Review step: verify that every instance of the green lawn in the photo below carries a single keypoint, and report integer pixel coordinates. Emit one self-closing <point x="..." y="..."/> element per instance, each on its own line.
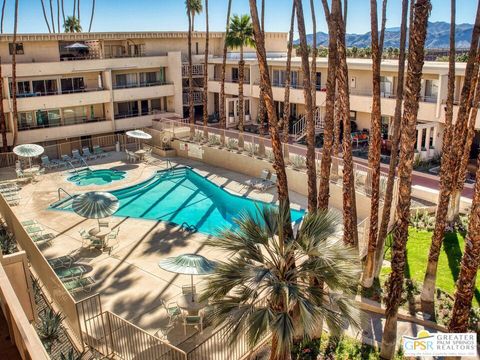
<point x="418" y="246"/>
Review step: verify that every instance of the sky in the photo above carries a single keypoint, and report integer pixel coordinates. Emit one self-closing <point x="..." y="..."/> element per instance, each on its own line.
<point x="169" y="15"/>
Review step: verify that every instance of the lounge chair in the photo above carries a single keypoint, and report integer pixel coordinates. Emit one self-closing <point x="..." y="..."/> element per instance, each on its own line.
<point x="255" y="181"/>
<point x="20" y="174"/>
<point x="88" y="154"/>
<point x="267" y="184"/>
<point x="67" y="159"/>
<point x="97" y="150"/>
<point x="33" y="229"/>
<point x="42" y="238"/>
<point x="47" y="164"/>
<point x="192" y="320"/>
<point x="63" y="261"/>
<point x="13" y="201"/>
<point x="76" y="155"/>
<point x="71" y="272"/>
<point x="79" y="284"/>
<point x="29" y="222"/>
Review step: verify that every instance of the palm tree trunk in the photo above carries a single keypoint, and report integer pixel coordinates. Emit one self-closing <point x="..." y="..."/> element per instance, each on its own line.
<point x="465" y="286"/>
<point x="191" y="108"/>
<point x="350" y="234"/>
<point x="3" y="16"/>
<point x="78" y="11"/>
<point x="241" y="115"/>
<point x="279" y="163"/>
<point x="58" y="16"/>
<point x="3" y="122"/>
<point x="375" y="144"/>
<point x="313" y="79"/>
<point x="418" y="31"/>
<point x="448" y="172"/>
<point x="261" y="99"/>
<point x="91" y="17"/>
<point x="288" y="70"/>
<point x="223" y="117"/>
<point x="63" y="12"/>
<point x="14" y="76"/>
<point x="205" y="75"/>
<point x="307" y="93"/>
<point x="52" y="16"/>
<point x="45" y="16"/>
<point x="74" y="8"/>
<point x="387" y="203"/>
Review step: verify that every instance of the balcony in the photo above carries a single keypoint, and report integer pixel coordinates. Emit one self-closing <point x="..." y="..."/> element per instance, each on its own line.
<point x="64" y="122"/>
<point x="143" y="91"/>
<point x="197" y="70"/>
<point x="197" y="98"/>
<point x="133" y="120"/>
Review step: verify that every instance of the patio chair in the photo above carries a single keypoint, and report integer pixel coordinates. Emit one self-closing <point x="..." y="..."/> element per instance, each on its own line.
<point x="47" y="164"/>
<point x="20" y="174"/>
<point x="40" y="239"/>
<point x="188" y="289"/>
<point x="71" y="272"/>
<point x="103" y="223"/>
<point x="86" y="237"/>
<point x="67" y="159"/>
<point x="76" y="155"/>
<point x="97" y="150"/>
<point x="13" y="201"/>
<point x="267" y="184"/>
<point x="88" y="154"/>
<point x="61" y="262"/>
<point x="192" y="320"/>
<point x="255" y="181"/>
<point x="79" y="284"/>
<point x="173" y="311"/>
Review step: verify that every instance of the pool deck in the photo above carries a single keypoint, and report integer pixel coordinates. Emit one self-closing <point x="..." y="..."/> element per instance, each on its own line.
<point x="129" y="279"/>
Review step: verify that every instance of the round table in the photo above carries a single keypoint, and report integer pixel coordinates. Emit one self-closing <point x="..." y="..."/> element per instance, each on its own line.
<point x="31" y="172"/>
<point x="193" y="306"/>
<point x="140" y="153"/>
<point x="100" y="233"/>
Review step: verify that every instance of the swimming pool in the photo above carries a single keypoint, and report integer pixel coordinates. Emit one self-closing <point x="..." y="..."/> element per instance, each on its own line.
<point x="183" y="197"/>
<point x="96" y="177"/>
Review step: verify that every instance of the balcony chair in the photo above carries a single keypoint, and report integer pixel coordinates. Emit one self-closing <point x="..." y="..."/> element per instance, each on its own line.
<point x="65" y="261"/>
<point x="72" y="272"/>
<point x="97" y="150"/>
<point x="47" y="164"/>
<point x="267" y="184"/>
<point x="173" y="311"/>
<point x="256" y="181"/>
<point x="76" y="155"/>
<point x="86" y="153"/>
<point x="192" y="320"/>
<point x="79" y="284"/>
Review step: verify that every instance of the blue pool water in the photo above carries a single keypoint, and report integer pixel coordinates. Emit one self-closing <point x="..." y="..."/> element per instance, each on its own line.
<point x="96" y="177"/>
<point x="183" y="197"/>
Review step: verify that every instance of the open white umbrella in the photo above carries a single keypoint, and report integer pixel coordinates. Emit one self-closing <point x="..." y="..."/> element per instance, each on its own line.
<point x="95" y="205"/>
<point x="77" y="46"/>
<point x="138" y="134"/>
<point x="188" y="264"/>
<point x="28" y="151"/>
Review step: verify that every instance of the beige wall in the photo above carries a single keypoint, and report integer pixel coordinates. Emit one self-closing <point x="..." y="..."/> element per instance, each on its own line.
<point x="34" y="52"/>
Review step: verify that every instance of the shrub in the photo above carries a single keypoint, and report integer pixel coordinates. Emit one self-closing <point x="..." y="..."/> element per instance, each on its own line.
<point x="232" y="144"/>
<point x="49" y="328"/>
<point x="298" y="161"/>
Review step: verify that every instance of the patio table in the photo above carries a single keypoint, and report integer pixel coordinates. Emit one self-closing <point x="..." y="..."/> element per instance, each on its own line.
<point x="141" y="154"/>
<point x="101" y="234"/>
<point x="192" y="306"/>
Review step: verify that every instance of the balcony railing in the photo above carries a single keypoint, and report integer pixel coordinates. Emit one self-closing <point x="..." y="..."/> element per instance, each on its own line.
<point x="137" y="114"/>
<point x="56" y="92"/>
<point x="197" y="70"/>
<point x="246" y="81"/>
<point x="142" y="84"/>
<point x="65" y="122"/>
<point x="197" y="98"/>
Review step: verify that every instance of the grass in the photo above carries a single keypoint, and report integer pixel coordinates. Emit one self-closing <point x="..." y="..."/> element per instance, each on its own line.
<point x="418" y="246"/>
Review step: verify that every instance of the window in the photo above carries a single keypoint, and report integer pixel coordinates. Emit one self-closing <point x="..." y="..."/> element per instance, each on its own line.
<point x="156" y="104"/>
<point x="19" y="48"/>
<point x="70" y="85"/>
<point x="74" y="115"/>
<point x="234" y="74"/>
<point x="293" y="110"/>
<point x="25" y="120"/>
<point x="126" y="80"/>
<point x="386" y="85"/>
<point x="128" y="108"/>
<point x="431" y="90"/>
<point x="353" y="115"/>
<point x="318" y="81"/>
<point x="150" y="78"/>
<point x="47" y="118"/>
<point x="44" y="87"/>
<point x="196" y="48"/>
<point x="23" y="88"/>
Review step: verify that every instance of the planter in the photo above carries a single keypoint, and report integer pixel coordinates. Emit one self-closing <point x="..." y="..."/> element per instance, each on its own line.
<point x="424" y="154"/>
<point x="247" y="118"/>
<point x="431" y="152"/>
<point x="231" y="120"/>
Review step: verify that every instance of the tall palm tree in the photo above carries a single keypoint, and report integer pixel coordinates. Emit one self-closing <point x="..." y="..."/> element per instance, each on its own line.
<point x="349" y="206"/>
<point x="279" y="162"/>
<point x="387" y="202"/>
<point x="191" y="108"/>
<point x="418" y="31"/>
<point x="72" y="25"/>
<point x="326" y="163"/>
<point x="375" y="145"/>
<point x="205" y="74"/>
<point x="313" y="80"/>
<point x="239" y="35"/>
<point x="58" y="16"/>
<point x="78" y="11"/>
<point x="309" y="110"/>
<point x="63" y="11"/>
<point x="223" y="117"/>
<point x="3" y="16"/>
<point x="45" y="16"/>
<point x="196" y="8"/>
<point x="91" y="17"/>
<point x="52" y="16"/>
<point x="449" y="171"/>
<point x="465" y="286"/>
<point x="3" y="121"/>
<point x="14" y="75"/>
<point x="288" y="69"/>
<point x="254" y="292"/>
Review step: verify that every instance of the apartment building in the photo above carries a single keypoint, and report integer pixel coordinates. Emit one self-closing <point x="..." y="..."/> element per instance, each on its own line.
<point x="75" y="86"/>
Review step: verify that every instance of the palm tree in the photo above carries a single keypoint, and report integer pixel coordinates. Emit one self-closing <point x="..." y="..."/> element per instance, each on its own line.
<point x="254" y="292"/>
<point x="3" y="16"/>
<point x="279" y="162"/>
<point x="196" y="8"/>
<point x="313" y="80"/>
<point x="91" y="17"/>
<point x="52" y="15"/>
<point x="449" y="170"/>
<point x="223" y="118"/>
<point x="72" y="25"/>
<point x="286" y="99"/>
<point x="387" y="202"/>
<point x="191" y="108"/>
<point x="58" y="16"/>
<point x="45" y="16"/>
<point x="205" y="75"/>
<point x="375" y="145"/>
<point x="326" y="163"/>
<point x="418" y="31"/>
<point x="63" y="12"/>
<point x="309" y="111"/>
<point x="349" y="206"/>
<point x="239" y="35"/>
<point x="78" y="11"/>
<point x="3" y="121"/>
<point x="469" y="267"/>
<point x="14" y="75"/>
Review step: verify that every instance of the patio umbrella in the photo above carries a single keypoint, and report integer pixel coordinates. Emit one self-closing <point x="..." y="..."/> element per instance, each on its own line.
<point x="188" y="264"/>
<point x="28" y="151"/>
<point x="95" y="205"/>
<point x="77" y="46"/>
<point x="138" y="134"/>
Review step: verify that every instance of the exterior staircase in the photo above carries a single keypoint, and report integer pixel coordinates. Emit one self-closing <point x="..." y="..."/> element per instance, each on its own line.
<point x="300" y="127"/>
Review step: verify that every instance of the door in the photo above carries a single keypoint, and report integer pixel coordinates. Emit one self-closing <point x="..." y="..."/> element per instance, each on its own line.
<point x="144" y="107"/>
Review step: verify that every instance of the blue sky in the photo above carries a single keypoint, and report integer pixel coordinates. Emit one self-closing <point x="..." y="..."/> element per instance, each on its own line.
<point x="164" y="15"/>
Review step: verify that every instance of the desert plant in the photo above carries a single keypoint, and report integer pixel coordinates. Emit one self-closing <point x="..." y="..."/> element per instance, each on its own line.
<point x="198" y="137"/>
<point x="214" y="140"/>
<point x="232" y="144"/>
<point x="7" y="243"/>
<point x="49" y="328"/>
<point x="251" y="149"/>
<point x="269" y="155"/>
<point x="422" y="220"/>
<point x="298" y="161"/>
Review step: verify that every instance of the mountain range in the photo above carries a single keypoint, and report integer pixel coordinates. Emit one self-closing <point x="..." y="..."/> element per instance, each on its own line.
<point x="438" y="34"/>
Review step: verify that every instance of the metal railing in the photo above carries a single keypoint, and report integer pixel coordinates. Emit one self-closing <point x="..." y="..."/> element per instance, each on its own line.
<point x="141" y="84"/>
<point x="197" y="98"/>
<point x="197" y="70"/>
<point x="74" y="121"/>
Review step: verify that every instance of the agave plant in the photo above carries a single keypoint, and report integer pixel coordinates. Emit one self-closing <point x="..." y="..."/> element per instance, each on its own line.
<point x="49" y="328"/>
<point x="214" y="140"/>
<point x="298" y="161"/>
<point x="7" y="243"/>
<point x="232" y="144"/>
<point x="268" y="284"/>
<point x="251" y="149"/>
<point x="269" y="155"/>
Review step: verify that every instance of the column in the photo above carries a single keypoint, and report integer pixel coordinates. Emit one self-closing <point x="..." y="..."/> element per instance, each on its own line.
<point x="435" y="135"/>
<point x="427" y="138"/>
<point x="419" y="139"/>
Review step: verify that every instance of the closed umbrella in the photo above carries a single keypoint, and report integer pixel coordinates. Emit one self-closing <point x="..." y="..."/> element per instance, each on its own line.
<point x="95" y="205"/>
<point x="188" y="264"/>
<point x="28" y="151"/>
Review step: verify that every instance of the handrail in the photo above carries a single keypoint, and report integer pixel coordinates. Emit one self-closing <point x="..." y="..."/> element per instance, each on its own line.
<point x="83" y="161"/>
<point x="62" y="189"/>
<point x="73" y="167"/>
